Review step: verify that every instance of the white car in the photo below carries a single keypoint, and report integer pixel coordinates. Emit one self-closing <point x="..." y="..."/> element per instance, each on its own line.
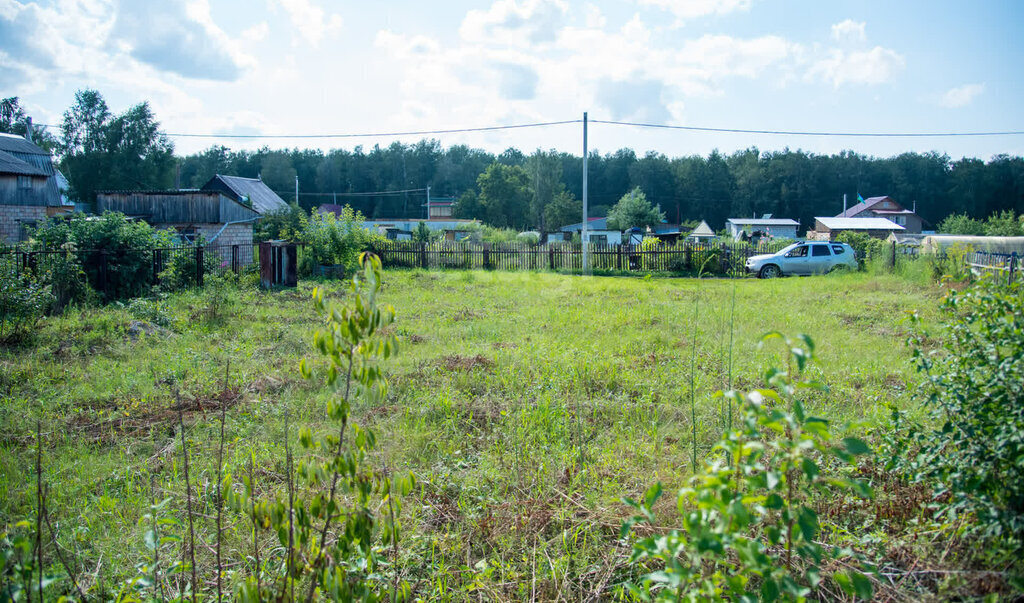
<point x="807" y="257"/>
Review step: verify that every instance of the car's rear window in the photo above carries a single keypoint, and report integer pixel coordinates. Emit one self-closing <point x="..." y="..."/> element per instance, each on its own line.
<point x="819" y="250"/>
<point x="837" y="249"/>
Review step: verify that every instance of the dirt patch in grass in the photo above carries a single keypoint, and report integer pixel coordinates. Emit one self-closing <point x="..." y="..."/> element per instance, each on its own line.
<point x="464" y="314"/>
<point x="141" y="423"/>
<point x="465" y="363"/>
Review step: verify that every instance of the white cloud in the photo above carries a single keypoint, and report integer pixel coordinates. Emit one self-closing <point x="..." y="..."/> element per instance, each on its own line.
<point x="515" y="23"/>
<point x="595" y="18"/>
<point x="849" y="30"/>
<point x="311" y="20"/>
<point x="691" y="9"/>
<point x="719" y="55"/>
<point x="961" y="96"/>
<point x="256" y="33"/>
<point x="869" y="67"/>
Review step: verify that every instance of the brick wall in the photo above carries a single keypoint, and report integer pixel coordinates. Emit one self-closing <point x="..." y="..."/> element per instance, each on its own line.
<point x="13" y="216"/>
<point x="233" y="234"/>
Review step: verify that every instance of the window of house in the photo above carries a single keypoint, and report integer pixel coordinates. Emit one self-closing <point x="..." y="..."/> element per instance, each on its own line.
<point x="24" y="181"/>
<point x="819" y="250"/>
<point x="599" y="239"/>
<point x="901" y="220"/>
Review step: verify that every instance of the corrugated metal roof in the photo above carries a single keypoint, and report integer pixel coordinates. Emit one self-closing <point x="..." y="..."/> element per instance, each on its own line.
<point x="9" y="164"/>
<point x="32" y="154"/>
<point x="259" y="195"/>
<point x="764" y="221"/>
<point x="859" y="224"/>
<point x="18" y="144"/>
<point x="863" y="205"/>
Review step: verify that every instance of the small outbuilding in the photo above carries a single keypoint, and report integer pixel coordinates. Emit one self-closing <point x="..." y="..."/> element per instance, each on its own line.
<point x="207" y="215"/>
<point x="779" y="228"/>
<point x="703" y="232"/>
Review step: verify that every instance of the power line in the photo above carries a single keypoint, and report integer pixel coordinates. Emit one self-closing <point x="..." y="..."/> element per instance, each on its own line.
<point x="809" y="133"/>
<point x="596" y="121"/>
<point x="365" y="194"/>
<point x="369" y="134"/>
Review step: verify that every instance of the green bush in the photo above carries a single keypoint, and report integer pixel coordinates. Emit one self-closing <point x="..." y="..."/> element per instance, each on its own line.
<point x="284" y="225"/>
<point x="867" y="249"/>
<point x="23" y="301"/>
<point x="333" y="240"/>
<point x="151" y="310"/>
<point x="972" y="451"/>
<point x="112" y="240"/>
<point x="749" y="526"/>
<point x="64" y="274"/>
<point x="180" y="269"/>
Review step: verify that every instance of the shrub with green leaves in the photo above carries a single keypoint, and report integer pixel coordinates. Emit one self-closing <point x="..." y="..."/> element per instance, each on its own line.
<point x="333" y="240"/>
<point x="337" y="491"/>
<point x="973" y="449"/>
<point x="865" y="247"/>
<point x="749" y="526"/>
<point x="23" y="301"/>
<point x="115" y="251"/>
<point x="180" y="269"/>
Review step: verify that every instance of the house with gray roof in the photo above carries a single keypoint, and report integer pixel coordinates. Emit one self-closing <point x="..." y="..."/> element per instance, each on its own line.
<point x="827" y="229"/>
<point x="886" y="207"/>
<point x="29" y="190"/>
<point x="247" y="191"/>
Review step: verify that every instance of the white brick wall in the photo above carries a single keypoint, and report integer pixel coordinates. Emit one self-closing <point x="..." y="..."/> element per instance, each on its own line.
<point x="13" y="216"/>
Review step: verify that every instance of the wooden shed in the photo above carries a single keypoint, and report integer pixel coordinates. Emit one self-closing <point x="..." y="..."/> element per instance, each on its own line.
<point x="193" y="214"/>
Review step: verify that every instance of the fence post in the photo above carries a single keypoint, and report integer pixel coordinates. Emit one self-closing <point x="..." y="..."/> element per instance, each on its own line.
<point x="103" y="274"/>
<point x="893" y="265"/>
<point x="234" y="259"/>
<point x="199" y="265"/>
<point x="487" y="256"/>
<point x="423" y="255"/>
<point x="156" y="266"/>
<point x="688" y="256"/>
<point x="1013" y="266"/>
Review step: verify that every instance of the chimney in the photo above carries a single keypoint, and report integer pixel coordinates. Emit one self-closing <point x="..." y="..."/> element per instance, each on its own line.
<point x="28" y="129"/>
<point x="844" y="204"/>
<point x="915" y="206"/>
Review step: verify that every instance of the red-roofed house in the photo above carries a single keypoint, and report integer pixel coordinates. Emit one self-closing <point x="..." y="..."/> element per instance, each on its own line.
<point x="885" y="207"/>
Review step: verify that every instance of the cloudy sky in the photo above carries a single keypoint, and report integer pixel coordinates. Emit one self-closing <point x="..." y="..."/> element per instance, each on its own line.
<point x="330" y="67"/>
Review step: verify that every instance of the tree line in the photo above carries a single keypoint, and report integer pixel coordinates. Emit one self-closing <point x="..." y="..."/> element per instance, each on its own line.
<point x="540" y="190"/>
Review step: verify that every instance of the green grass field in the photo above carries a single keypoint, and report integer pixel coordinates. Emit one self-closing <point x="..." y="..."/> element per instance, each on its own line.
<point x="526" y="404"/>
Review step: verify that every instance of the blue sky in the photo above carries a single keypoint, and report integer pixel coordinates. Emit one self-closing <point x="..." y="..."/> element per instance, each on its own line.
<point x="321" y="66"/>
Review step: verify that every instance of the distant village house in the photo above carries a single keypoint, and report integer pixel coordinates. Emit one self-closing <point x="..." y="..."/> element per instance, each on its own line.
<point x="29" y="188"/>
<point x="827" y="229"/>
<point x="885" y="207"/>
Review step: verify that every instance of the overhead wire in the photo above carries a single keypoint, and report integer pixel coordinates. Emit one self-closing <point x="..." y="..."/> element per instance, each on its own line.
<point x="360" y="194"/>
<point x="808" y="133"/>
<point x="596" y="121"/>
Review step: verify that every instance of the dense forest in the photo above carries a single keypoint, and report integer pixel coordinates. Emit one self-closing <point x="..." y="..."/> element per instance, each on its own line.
<point x="542" y="189"/>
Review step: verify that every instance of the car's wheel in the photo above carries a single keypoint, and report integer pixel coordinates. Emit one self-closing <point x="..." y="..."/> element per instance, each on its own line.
<point x="770" y="271"/>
